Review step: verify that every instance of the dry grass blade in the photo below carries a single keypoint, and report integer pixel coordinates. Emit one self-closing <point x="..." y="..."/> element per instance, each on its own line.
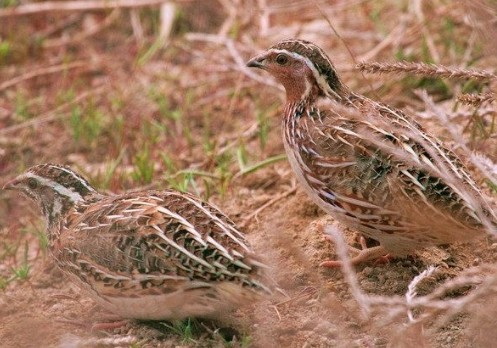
<point x="167" y="14"/>
<point x="412" y="288"/>
<point x="235" y="55"/>
<point x="54" y="6"/>
<point x="306" y="292"/>
<point x="113" y="341"/>
<point x="431" y="306"/>
<point x="111" y="18"/>
<point x="362" y="299"/>
<point x="269" y="203"/>
<point x="424" y="69"/>
<point x="43" y="71"/>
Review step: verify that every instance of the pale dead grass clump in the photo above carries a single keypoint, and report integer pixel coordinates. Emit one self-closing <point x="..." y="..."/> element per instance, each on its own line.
<point x="140" y="94"/>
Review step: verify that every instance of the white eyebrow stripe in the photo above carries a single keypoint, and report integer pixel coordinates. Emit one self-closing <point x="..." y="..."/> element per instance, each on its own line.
<point x="61" y="190"/>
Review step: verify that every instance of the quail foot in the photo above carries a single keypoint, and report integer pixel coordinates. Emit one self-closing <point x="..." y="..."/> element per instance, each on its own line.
<point x="150" y="255"/>
<point x="370" y="166"/>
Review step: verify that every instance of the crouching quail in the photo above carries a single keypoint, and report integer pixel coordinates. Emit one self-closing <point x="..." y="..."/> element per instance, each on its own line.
<point x="147" y="255"/>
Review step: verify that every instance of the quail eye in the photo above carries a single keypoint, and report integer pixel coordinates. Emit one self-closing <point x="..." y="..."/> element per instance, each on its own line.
<point x="281" y="59"/>
<point x="32" y="183"/>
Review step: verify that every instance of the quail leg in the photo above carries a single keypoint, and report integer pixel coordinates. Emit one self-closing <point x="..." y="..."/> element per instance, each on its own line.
<point x="378" y="254"/>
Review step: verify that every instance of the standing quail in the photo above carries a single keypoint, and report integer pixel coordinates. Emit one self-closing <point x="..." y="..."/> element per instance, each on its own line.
<point x="369" y="165"/>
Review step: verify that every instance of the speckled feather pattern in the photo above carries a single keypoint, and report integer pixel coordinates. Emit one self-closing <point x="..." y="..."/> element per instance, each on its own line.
<point x="160" y="234"/>
<point x="377" y="191"/>
<point x="147" y="254"/>
<point x="367" y="164"/>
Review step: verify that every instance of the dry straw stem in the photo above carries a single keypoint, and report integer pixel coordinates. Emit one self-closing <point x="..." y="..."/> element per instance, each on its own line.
<point x="269" y="203"/>
<point x="53" y="6"/>
<point x="412" y="288"/>
<point x="78" y="37"/>
<point x="417" y="9"/>
<point x="335" y="234"/>
<point x="44" y="71"/>
<point x="167" y="16"/>
<point x="425" y="70"/>
<point x="436" y="304"/>
<point x="113" y="341"/>
<point x="239" y="61"/>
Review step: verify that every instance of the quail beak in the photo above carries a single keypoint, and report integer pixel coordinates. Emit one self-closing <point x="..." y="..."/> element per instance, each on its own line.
<point x="257" y="62"/>
<point x="10" y="185"/>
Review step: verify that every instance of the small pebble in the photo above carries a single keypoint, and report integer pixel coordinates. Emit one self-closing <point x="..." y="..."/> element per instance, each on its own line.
<point x="391" y="275"/>
<point x="367" y="271"/>
<point x="311" y="302"/>
<point x="380" y="342"/>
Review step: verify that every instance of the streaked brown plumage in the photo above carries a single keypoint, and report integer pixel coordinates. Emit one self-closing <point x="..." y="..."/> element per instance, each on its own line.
<point x="369" y="165"/>
<point x="145" y="255"/>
